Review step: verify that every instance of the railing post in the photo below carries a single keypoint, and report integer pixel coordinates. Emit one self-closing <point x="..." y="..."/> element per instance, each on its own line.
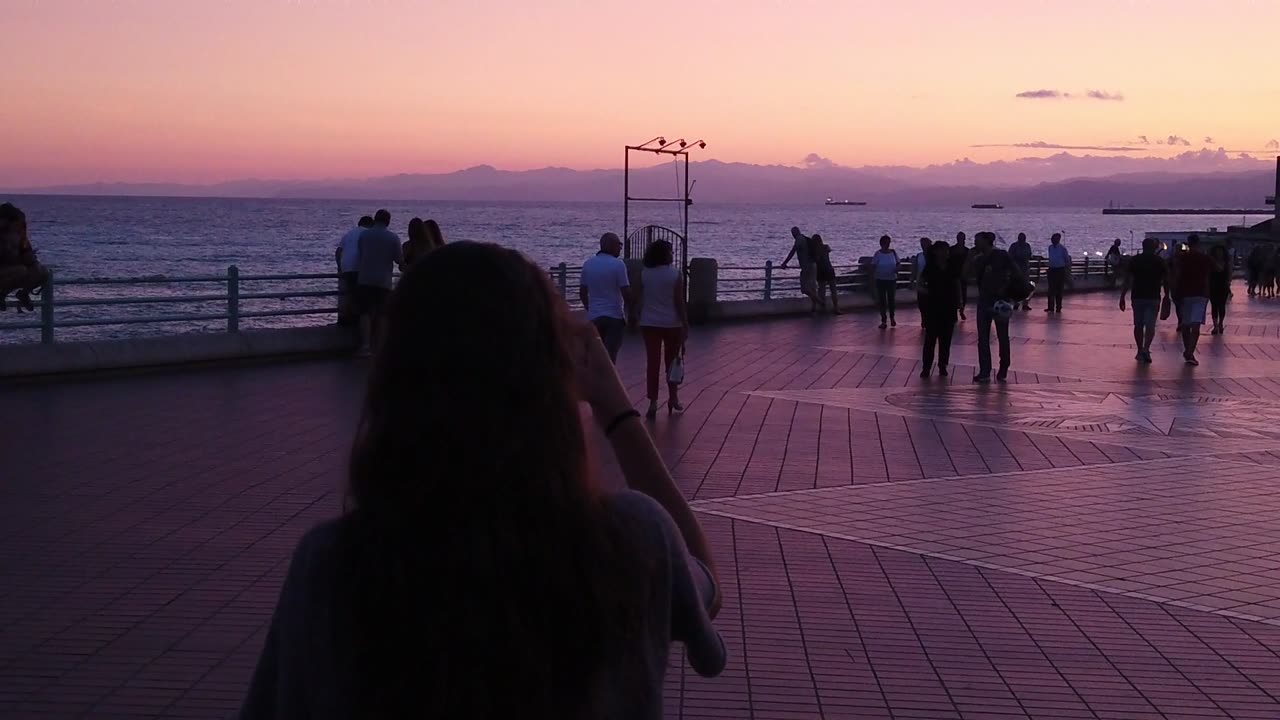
<point x="46" y="310"/>
<point x="1086" y="265"/>
<point x="768" y="279"/>
<point x="562" y="279"/>
<point x="233" y="299"/>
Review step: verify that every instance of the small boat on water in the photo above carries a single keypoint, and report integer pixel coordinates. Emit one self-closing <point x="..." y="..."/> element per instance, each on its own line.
<point x="858" y="203"/>
<point x="987" y="206"/>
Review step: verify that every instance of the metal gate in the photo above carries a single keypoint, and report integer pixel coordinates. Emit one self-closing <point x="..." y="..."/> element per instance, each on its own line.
<point x="640" y="240"/>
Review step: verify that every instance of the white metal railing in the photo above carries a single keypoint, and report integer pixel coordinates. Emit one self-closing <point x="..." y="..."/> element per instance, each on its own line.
<point x="237" y="297"/>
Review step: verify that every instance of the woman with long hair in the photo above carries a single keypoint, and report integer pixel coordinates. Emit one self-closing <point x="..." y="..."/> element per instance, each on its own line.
<point x="940" y="289"/>
<point x="479" y="571"/>
<point x="1219" y="286"/>
<point x="664" y="322"/>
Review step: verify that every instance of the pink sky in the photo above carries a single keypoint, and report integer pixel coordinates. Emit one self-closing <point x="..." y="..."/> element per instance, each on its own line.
<point x="207" y="90"/>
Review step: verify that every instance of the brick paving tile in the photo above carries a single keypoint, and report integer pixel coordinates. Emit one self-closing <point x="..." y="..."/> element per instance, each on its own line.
<point x="1095" y="539"/>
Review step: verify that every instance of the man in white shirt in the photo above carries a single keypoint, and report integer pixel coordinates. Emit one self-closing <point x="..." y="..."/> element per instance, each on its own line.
<point x="605" y="292"/>
<point x="917" y="268"/>
<point x="1059" y="261"/>
<point x="347" y="256"/>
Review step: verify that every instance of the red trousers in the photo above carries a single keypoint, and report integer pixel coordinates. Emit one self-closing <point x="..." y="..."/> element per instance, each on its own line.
<point x="656" y="340"/>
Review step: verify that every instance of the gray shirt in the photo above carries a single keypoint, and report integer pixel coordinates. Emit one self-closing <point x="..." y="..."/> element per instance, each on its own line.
<point x="297" y="674"/>
<point x="379" y="250"/>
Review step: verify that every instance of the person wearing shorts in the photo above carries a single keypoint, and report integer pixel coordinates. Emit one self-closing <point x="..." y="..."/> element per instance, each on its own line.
<point x="379" y="254"/>
<point x="802" y="248"/>
<point x="1191" y="287"/>
<point x="1146" y="275"/>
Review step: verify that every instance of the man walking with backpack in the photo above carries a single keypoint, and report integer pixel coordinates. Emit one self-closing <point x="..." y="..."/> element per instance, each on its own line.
<point x="1000" y="285"/>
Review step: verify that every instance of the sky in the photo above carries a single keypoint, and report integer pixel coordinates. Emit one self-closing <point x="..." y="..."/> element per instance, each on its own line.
<point x="210" y="90"/>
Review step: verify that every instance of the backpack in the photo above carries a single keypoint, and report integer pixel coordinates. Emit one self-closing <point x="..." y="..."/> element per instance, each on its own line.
<point x="1002" y="279"/>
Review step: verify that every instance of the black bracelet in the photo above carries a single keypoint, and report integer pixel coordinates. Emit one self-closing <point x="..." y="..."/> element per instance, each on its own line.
<point x="620" y="418"/>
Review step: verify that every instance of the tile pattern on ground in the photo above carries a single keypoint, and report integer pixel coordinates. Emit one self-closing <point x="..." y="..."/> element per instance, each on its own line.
<point x="1202" y="533"/>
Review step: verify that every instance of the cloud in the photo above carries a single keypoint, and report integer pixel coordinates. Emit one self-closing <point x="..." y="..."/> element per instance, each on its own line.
<point x="1174" y="140"/>
<point x="1143" y="139"/>
<point x="1104" y="95"/>
<point x="1273" y="145"/>
<point x="1208" y="140"/>
<point x="816" y="161"/>
<point x="1042" y="145"/>
<point x="1040" y="95"/>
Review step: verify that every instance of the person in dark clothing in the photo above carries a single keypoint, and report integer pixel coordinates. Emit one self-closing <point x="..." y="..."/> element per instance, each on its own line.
<point x="1190" y="282"/>
<point x="1059" y="262"/>
<point x="1146" y="275"/>
<point x="1219" y="287"/>
<point x="479" y="569"/>
<point x="959" y="259"/>
<point x="995" y="274"/>
<point x="939" y="290"/>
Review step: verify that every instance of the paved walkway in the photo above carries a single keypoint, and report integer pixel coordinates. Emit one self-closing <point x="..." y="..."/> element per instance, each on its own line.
<point x="1095" y="539"/>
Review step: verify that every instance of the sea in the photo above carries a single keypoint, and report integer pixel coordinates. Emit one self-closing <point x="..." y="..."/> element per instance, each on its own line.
<point x="114" y="237"/>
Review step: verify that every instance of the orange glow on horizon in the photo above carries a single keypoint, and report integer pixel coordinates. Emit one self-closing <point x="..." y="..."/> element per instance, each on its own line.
<point x="157" y="90"/>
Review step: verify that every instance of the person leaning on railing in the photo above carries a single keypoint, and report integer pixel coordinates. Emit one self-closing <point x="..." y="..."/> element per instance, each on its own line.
<point x="20" y="272"/>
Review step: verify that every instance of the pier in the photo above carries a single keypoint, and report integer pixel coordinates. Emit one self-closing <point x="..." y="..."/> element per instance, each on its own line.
<point x="1094" y="539"/>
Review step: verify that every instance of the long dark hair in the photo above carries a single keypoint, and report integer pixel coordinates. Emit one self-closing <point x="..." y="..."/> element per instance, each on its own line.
<point x="658" y="253"/>
<point x="434" y="235"/>
<point x="483" y="575"/>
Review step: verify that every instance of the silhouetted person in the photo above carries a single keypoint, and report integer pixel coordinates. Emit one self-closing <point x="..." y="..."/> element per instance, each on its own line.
<point x="1059" y="262"/>
<point x="347" y="256"/>
<point x="664" y="322"/>
<point x="1111" y="262"/>
<point x="605" y="292"/>
<point x="379" y="254"/>
<point x="917" y="271"/>
<point x="1219" y="287"/>
<point x="996" y="276"/>
<point x="20" y="271"/>
<point x="1020" y="253"/>
<point x="424" y="237"/>
<point x="801" y="250"/>
<point x="960" y="266"/>
<point x="479" y="569"/>
<point x="1147" y="275"/>
<point x="826" y="272"/>
<point x="1191" y="290"/>
<point x="884" y="271"/>
<point x="940" y="297"/>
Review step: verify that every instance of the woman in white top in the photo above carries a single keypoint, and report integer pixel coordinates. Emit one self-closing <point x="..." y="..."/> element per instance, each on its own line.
<point x="664" y="321"/>
<point x="884" y="268"/>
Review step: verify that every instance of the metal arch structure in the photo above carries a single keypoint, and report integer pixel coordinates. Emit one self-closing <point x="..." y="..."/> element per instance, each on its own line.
<point x="678" y="149"/>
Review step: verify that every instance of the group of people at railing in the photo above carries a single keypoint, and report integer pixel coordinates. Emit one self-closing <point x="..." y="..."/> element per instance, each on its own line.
<point x="20" y="270"/>
<point x="368" y="256"/>
<point x="1262" y="270"/>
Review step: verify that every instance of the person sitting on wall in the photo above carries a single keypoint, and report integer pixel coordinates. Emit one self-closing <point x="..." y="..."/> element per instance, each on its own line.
<point x="20" y="272"/>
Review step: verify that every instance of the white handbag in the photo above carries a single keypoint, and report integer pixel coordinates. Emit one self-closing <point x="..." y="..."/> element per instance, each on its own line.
<point x="675" y="373"/>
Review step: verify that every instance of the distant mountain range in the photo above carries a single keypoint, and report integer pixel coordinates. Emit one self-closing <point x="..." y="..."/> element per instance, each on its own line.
<point x="720" y="182"/>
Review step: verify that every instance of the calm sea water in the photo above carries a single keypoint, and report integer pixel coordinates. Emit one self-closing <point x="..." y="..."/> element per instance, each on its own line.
<point x="118" y="237"/>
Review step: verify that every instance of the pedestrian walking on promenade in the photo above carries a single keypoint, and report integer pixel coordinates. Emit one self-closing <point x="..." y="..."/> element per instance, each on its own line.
<point x="959" y="259"/>
<point x="1059" y="262"/>
<point x="939" y="290"/>
<point x="1020" y="252"/>
<point x="884" y="271"/>
<point x="664" y="324"/>
<point x="1219" y="287"/>
<point x="999" y="285"/>
<point x="1146" y="275"/>
<point x="479" y="568"/>
<point x="605" y="292"/>
<point x="1190" y="281"/>
<point x="917" y="271"/>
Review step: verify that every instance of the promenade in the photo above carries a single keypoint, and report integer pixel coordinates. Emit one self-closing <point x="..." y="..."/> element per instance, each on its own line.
<point x="1093" y="539"/>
